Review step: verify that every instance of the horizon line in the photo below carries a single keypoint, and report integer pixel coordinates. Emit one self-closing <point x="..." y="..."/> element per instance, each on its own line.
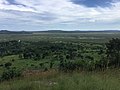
<point x="56" y="30"/>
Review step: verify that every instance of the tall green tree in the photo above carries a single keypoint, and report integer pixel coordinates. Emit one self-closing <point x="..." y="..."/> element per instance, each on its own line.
<point x="113" y="52"/>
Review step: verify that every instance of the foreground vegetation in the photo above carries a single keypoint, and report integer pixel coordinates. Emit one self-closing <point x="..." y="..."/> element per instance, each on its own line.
<point x="51" y="80"/>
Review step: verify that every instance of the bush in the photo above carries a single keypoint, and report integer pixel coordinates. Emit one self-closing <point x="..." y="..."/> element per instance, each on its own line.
<point x="46" y="69"/>
<point x="10" y="74"/>
<point x="67" y="66"/>
<point x="8" y="64"/>
<point x="13" y="60"/>
<point x="1" y="65"/>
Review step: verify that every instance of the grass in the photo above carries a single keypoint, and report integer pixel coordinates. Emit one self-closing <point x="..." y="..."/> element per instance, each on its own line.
<point x="23" y="64"/>
<point x="108" y="80"/>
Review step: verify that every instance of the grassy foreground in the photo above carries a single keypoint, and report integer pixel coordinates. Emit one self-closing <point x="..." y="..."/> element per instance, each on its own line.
<point x="51" y="80"/>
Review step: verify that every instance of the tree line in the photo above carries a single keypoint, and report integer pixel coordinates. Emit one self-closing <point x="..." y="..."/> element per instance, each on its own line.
<point x="71" y="56"/>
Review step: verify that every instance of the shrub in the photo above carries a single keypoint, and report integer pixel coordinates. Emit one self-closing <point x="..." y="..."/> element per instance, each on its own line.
<point x="13" y="60"/>
<point x="67" y="66"/>
<point x="1" y="65"/>
<point x="46" y="69"/>
<point x="51" y="64"/>
<point x="10" y="74"/>
<point x="7" y="65"/>
<point x="41" y="64"/>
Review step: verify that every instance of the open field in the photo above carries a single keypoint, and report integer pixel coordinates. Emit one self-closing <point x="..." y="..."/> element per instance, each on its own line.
<point x="93" y="37"/>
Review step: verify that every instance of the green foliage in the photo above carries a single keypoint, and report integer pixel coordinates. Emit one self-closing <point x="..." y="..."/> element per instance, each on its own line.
<point x="10" y="48"/>
<point x="66" y="52"/>
<point x="46" y="69"/>
<point x="10" y="74"/>
<point x="113" y="52"/>
<point x="8" y="64"/>
<point x="66" y="56"/>
<point x="51" y="64"/>
<point x="67" y="66"/>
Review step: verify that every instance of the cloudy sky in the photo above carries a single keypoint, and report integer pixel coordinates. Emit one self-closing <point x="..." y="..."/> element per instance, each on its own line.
<point x="60" y="14"/>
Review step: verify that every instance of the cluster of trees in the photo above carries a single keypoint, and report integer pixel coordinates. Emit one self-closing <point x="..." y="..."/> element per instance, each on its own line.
<point x="41" y="50"/>
<point x="110" y="59"/>
<point x="10" y="48"/>
<point x="57" y="51"/>
<point x="69" y="55"/>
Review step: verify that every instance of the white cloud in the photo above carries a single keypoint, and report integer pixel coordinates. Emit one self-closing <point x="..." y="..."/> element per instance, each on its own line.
<point x="4" y="5"/>
<point x="59" y="11"/>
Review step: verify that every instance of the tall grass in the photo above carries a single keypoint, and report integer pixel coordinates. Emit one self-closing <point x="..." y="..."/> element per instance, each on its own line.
<point x="108" y="80"/>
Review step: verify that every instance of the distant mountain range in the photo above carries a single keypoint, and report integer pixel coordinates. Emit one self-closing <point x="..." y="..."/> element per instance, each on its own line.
<point x="57" y="31"/>
<point x="14" y="32"/>
<point x="77" y="31"/>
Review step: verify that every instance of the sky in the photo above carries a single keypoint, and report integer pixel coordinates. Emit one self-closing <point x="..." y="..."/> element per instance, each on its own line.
<point x="39" y="15"/>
